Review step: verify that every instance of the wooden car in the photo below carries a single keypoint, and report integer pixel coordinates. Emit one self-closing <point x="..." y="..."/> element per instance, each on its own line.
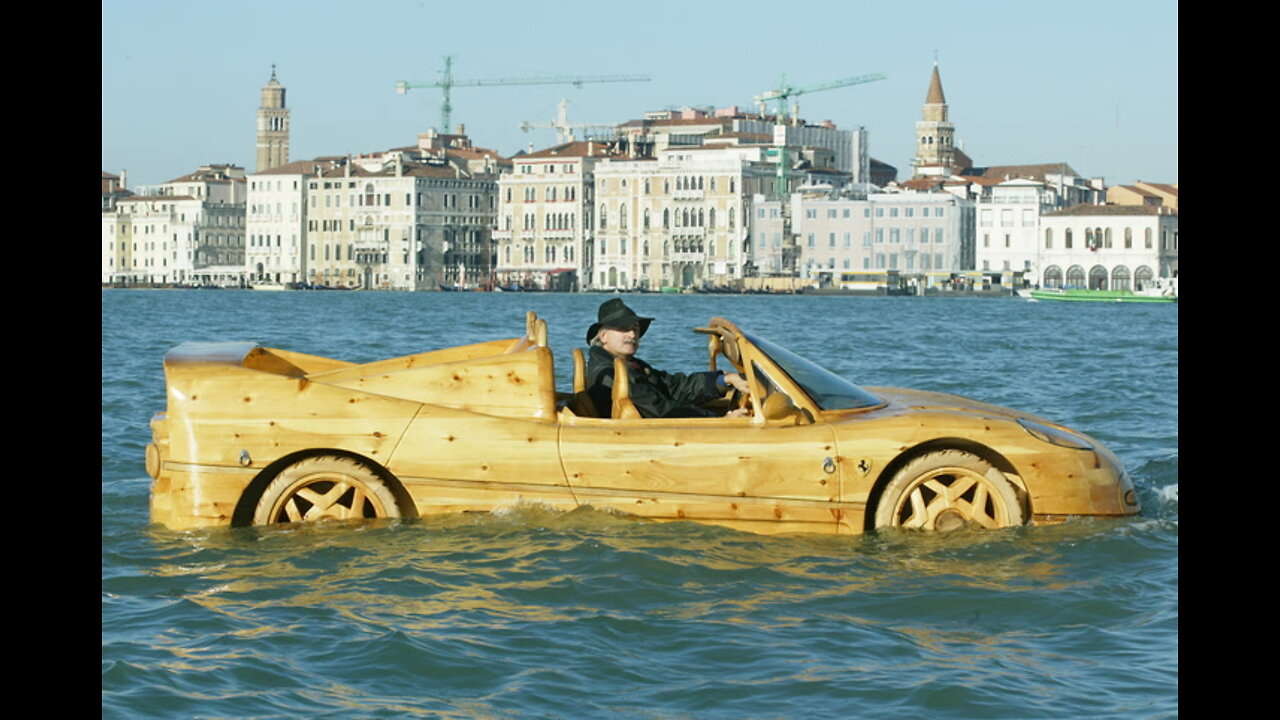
<point x="255" y="436"/>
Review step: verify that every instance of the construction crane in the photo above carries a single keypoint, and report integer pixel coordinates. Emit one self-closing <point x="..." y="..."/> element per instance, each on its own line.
<point x="785" y="92"/>
<point x="564" y="129"/>
<point x="782" y="183"/>
<point x="447" y="82"/>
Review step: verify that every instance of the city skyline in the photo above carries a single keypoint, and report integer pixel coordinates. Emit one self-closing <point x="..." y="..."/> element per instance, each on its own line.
<point x="1095" y="87"/>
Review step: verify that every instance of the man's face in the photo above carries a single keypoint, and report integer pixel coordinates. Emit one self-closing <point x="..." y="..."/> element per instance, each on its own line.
<point x="620" y="341"/>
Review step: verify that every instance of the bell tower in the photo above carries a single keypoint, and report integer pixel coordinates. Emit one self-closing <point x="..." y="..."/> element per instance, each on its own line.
<point x="273" y="126"/>
<point x="935" y="134"/>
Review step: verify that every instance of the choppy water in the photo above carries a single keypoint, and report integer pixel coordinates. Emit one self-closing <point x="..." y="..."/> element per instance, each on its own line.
<point x="536" y="614"/>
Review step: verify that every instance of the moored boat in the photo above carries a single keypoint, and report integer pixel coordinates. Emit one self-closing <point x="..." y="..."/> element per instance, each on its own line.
<point x="1122" y="296"/>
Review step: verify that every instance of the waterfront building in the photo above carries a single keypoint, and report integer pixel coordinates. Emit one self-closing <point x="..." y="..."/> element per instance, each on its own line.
<point x="275" y="223"/>
<point x="273" y="126"/>
<point x="1108" y="247"/>
<point x="929" y="236"/>
<point x="1008" y="221"/>
<point x="545" y="235"/>
<point x="677" y="219"/>
<point x="412" y="218"/>
<point x="188" y="231"/>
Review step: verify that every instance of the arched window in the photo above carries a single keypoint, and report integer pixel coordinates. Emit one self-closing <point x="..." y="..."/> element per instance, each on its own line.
<point x="1128" y="238"/>
<point x="1075" y="279"/>
<point x="1098" y="278"/>
<point x="646" y="213"/>
<point x="1066" y="240"/>
<point x="1142" y="277"/>
<point x="1048" y="238"/>
<point x="1120" y="278"/>
<point x="622" y="216"/>
<point x="1052" y="277"/>
<point x="1146" y="237"/>
<point x="604" y="217"/>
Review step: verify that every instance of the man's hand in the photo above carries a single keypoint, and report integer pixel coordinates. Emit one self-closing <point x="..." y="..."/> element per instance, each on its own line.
<point x="737" y="382"/>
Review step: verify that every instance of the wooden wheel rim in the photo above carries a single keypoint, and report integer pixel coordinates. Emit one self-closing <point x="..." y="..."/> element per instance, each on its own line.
<point x="326" y="495"/>
<point x="949" y="498"/>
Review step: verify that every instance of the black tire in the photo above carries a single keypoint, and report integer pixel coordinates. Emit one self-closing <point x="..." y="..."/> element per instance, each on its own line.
<point x="325" y="487"/>
<point x="947" y="490"/>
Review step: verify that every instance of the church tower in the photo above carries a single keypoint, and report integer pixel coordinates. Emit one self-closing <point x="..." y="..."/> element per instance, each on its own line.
<point x="935" y="134"/>
<point x="273" y="126"/>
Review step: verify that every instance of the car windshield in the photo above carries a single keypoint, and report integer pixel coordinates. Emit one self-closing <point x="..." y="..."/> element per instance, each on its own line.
<point x="828" y="390"/>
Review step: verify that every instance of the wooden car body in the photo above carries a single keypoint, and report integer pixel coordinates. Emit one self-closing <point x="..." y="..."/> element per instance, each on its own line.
<point x="477" y="427"/>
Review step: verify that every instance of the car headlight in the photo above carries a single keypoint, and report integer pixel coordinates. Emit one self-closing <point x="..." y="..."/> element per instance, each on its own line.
<point x="1054" y="436"/>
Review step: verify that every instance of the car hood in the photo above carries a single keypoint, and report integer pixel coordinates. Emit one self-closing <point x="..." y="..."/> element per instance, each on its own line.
<point x="946" y="402"/>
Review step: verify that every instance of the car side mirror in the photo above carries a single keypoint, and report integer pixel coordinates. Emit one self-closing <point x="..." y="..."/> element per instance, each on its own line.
<point x="778" y="406"/>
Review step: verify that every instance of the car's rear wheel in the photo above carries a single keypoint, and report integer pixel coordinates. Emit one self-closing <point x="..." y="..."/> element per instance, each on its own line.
<point x="325" y="487"/>
<point x="948" y="490"/>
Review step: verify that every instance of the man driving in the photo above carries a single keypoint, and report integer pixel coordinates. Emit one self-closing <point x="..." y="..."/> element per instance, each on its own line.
<point x="656" y="394"/>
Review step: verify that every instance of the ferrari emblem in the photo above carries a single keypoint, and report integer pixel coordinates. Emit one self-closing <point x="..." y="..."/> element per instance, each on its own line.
<point x="864" y="466"/>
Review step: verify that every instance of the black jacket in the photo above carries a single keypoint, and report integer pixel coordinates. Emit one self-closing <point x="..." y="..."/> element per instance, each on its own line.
<point x="655" y="393"/>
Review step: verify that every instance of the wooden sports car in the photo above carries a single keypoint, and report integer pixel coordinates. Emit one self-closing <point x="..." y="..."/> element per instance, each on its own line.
<point x="255" y="435"/>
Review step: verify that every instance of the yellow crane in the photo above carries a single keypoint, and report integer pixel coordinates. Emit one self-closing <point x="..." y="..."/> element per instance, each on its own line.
<point x="447" y="82"/>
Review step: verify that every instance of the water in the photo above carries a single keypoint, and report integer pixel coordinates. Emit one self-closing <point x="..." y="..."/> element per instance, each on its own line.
<point x="537" y="614"/>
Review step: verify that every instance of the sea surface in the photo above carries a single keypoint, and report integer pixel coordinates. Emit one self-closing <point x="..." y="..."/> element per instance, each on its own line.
<point x="530" y="613"/>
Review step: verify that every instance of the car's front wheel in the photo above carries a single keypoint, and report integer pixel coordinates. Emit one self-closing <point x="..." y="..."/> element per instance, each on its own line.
<point x="949" y="490"/>
<point x="325" y="487"/>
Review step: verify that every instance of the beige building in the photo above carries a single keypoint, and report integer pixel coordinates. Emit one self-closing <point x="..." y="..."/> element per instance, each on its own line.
<point x="677" y="220"/>
<point x="1144" y="193"/>
<point x="545" y="234"/>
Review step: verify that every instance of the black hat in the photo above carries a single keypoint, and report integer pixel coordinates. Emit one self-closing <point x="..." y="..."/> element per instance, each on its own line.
<point x="615" y="313"/>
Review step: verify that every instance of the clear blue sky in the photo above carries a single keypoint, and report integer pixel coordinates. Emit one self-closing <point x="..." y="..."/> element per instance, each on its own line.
<point x="1092" y="83"/>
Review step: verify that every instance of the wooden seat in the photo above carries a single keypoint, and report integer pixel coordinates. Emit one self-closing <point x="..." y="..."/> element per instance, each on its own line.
<point x="580" y="402"/>
<point x="623" y="408"/>
<point x="579" y="371"/>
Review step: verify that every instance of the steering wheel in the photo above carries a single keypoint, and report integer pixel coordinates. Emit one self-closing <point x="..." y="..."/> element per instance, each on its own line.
<point x="721" y="343"/>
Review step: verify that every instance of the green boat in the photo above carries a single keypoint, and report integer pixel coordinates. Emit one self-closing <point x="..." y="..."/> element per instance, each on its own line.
<point x="1123" y="296"/>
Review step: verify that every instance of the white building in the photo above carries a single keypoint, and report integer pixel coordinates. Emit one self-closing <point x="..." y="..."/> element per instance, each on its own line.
<point x="920" y="234"/>
<point x="275" y="224"/>
<point x="1008" y="230"/>
<point x="1108" y="247"/>
<point x="412" y="218"/>
<point x="188" y="231"/>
